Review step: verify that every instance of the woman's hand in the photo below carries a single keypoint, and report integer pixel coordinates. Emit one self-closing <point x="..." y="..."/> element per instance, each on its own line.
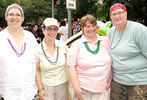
<point x="42" y="94"/>
<point x="110" y="80"/>
<point x="79" y="94"/>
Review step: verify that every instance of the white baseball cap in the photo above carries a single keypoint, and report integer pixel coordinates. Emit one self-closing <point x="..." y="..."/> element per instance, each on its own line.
<point x="51" y="21"/>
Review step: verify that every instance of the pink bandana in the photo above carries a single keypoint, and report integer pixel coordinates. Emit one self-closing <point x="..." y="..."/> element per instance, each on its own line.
<point x="116" y="6"/>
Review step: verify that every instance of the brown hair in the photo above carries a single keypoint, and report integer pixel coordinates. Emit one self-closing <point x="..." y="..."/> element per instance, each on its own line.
<point x="86" y="18"/>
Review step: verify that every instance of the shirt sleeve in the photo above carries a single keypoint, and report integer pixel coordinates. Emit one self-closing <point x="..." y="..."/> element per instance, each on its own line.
<point x="37" y="56"/>
<point x="66" y="49"/>
<point x="141" y="39"/>
<point x="108" y="34"/>
<point x="107" y="42"/>
<point x="72" y="54"/>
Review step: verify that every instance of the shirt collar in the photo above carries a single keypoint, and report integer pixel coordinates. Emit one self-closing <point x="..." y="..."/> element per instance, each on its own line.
<point x="83" y="38"/>
<point x="44" y="44"/>
<point x="8" y="35"/>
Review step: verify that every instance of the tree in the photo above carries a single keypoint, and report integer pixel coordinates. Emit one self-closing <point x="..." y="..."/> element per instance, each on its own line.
<point x="60" y="10"/>
<point x="2" y="12"/>
<point x="36" y="10"/>
<point x="3" y="7"/>
<point x="136" y="9"/>
<point x="84" y="7"/>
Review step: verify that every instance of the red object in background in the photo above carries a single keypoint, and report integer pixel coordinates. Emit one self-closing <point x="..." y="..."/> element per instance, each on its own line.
<point x="3" y="28"/>
<point x="56" y="2"/>
<point x="98" y="27"/>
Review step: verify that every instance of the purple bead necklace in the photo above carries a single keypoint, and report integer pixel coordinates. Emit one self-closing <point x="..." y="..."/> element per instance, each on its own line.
<point x="23" y="48"/>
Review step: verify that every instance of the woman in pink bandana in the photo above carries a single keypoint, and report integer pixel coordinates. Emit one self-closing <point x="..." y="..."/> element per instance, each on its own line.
<point x="129" y="56"/>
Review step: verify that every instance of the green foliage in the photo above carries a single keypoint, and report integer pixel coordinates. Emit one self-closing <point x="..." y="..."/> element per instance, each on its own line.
<point x="136" y="10"/>
<point x="3" y="7"/>
<point x="61" y="11"/>
<point x="38" y="10"/>
<point x="2" y="10"/>
<point x="84" y="7"/>
<point x="34" y="10"/>
<point x="101" y="12"/>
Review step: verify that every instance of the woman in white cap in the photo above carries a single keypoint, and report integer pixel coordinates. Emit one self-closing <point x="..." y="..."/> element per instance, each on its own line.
<point x="129" y="56"/>
<point x="51" y="76"/>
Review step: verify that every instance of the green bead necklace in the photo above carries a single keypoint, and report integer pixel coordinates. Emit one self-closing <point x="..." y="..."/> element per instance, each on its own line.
<point x="95" y="51"/>
<point x="51" y="62"/>
<point x="119" y="38"/>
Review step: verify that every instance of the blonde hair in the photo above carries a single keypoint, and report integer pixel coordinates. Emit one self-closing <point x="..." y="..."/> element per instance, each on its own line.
<point x="14" y="5"/>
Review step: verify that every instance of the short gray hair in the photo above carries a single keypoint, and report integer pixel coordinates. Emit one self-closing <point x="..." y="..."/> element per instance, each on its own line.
<point x="14" y="5"/>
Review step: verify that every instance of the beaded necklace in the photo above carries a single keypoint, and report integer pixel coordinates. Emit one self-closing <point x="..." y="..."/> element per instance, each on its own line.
<point x="51" y="62"/>
<point x="23" y="48"/>
<point x="119" y="38"/>
<point x="95" y="51"/>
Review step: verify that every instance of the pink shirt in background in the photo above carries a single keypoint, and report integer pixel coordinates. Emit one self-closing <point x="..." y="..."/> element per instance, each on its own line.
<point x="93" y="70"/>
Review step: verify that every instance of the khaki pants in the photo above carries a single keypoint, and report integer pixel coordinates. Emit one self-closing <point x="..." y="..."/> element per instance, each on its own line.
<point x="90" y="95"/>
<point x="59" y="92"/>
<point x="124" y="92"/>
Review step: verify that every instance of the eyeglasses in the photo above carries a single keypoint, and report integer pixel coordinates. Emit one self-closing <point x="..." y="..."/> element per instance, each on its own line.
<point x="118" y="13"/>
<point x="51" y="29"/>
<point x="16" y="15"/>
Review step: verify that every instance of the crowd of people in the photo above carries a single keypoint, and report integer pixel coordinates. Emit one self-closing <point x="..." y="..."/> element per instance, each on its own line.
<point x="94" y="67"/>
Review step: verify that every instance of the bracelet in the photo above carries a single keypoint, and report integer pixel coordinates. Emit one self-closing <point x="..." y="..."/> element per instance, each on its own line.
<point x="40" y="89"/>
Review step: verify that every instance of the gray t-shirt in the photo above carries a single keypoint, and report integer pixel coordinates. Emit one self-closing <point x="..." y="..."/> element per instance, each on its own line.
<point x="129" y="54"/>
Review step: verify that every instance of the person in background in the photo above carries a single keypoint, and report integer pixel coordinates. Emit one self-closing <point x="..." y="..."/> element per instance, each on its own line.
<point x="51" y="75"/>
<point x="76" y="27"/>
<point x="89" y="64"/>
<point x="34" y="30"/>
<point x="17" y="58"/>
<point x="40" y="35"/>
<point x="66" y="20"/>
<point x="63" y="31"/>
<point x="0" y="29"/>
<point x="73" y="25"/>
<point x="129" y="56"/>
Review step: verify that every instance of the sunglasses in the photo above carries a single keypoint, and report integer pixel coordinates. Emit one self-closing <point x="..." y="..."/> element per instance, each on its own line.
<point x="51" y="29"/>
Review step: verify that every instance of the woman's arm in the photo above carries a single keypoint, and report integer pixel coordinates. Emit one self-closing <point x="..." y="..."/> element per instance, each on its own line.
<point x="38" y="77"/>
<point x="110" y="80"/>
<point x="38" y="82"/>
<point x="75" y="82"/>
